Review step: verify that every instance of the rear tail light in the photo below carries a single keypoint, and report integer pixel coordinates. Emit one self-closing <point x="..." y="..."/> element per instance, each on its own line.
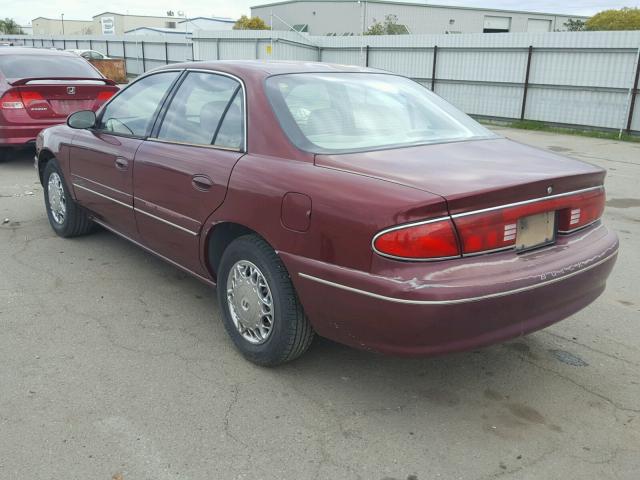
<point x="496" y="229"/>
<point x="11" y="100"/>
<point x="487" y="230"/>
<point x="104" y="95"/>
<point x="15" y="100"/>
<point x="431" y="240"/>
<point x="588" y="208"/>
<point x="29" y="97"/>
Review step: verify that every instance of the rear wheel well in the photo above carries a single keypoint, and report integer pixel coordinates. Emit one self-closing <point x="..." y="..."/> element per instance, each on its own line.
<point x="43" y="159"/>
<point x="223" y="234"/>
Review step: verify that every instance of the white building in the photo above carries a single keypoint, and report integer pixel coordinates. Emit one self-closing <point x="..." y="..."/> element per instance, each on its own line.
<point x="110" y="23"/>
<point x="61" y="26"/>
<point x="350" y="17"/>
<point x="187" y="27"/>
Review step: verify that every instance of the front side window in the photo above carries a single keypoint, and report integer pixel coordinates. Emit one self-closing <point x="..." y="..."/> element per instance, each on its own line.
<point x="350" y="112"/>
<point x="206" y="110"/>
<point x="132" y="112"/>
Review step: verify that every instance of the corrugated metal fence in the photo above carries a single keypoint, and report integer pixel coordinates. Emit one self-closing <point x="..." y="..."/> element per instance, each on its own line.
<point x="583" y="79"/>
<point x="141" y="53"/>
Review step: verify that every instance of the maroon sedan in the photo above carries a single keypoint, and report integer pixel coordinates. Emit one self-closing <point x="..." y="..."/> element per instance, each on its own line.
<point x="40" y="88"/>
<point x="347" y="202"/>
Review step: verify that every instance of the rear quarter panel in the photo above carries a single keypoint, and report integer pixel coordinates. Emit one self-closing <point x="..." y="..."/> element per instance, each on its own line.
<point x="347" y="209"/>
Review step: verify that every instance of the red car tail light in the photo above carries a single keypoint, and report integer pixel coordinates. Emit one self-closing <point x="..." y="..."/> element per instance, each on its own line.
<point x="587" y="208"/>
<point x="105" y="95"/>
<point x="30" y="97"/>
<point x="11" y="100"/>
<point x="496" y="229"/>
<point x="431" y="240"/>
<point x="102" y="97"/>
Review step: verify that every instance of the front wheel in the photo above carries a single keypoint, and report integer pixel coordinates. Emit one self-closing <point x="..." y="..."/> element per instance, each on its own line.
<point x="260" y="309"/>
<point x="66" y="217"/>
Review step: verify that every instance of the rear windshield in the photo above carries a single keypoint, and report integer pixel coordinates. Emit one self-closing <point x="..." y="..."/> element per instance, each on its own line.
<point x="350" y="112"/>
<point x="45" y="66"/>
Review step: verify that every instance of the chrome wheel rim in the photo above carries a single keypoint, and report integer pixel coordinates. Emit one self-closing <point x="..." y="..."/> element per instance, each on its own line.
<point x="57" y="199"/>
<point x="250" y="302"/>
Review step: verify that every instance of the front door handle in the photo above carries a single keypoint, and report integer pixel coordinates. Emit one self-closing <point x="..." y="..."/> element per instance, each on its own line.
<point x="201" y="182"/>
<point x="122" y="163"/>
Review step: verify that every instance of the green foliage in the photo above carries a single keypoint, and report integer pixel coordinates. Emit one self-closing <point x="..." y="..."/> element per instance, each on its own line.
<point x="390" y="26"/>
<point x="10" y="26"/>
<point x="253" y="23"/>
<point x="623" y="19"/>
<point x="575" y="25"/>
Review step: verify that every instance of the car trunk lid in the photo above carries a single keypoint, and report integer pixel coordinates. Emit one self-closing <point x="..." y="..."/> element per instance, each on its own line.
<point x="58" y="98"/>
<point x="473" y="175"/>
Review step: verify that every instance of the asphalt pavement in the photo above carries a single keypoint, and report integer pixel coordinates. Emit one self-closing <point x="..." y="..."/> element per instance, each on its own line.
<point x="115" y="365"/>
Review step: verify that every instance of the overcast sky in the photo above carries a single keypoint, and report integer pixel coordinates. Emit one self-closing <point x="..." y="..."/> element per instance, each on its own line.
<point x="25" y="10"/>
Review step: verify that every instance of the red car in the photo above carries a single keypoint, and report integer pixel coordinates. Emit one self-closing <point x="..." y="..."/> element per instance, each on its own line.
<point x="40" y="88"/>
<point x="347" y="202"/>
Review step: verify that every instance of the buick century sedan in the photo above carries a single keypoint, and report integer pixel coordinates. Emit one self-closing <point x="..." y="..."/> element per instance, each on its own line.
<point x="340" y="201"/>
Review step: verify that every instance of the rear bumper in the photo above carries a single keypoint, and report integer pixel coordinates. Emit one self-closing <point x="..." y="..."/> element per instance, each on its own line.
<point x="18" y="135"/>
<point x="455" y="305"/>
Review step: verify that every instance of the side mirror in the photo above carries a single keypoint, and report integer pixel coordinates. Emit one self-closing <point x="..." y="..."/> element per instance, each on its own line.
<point x="82" y="119"/>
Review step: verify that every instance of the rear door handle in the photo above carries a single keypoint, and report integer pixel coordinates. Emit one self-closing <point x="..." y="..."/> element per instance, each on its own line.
<point x="201" y="182"/>
<point x="122" y="163"/>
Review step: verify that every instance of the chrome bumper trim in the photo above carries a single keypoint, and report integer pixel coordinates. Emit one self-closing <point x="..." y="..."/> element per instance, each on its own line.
<point x="457" y="300"/>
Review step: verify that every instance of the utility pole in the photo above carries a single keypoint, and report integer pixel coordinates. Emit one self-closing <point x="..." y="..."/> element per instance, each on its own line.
<point x="62" y="16"/>
<point x="363" y="18"/>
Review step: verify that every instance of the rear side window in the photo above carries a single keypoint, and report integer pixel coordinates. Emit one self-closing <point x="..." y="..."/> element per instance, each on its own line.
<point x="231" y="132"/>
<point x="206" y="110"/>
<point x="132" y="112"/>
<point x="45" y="66"/>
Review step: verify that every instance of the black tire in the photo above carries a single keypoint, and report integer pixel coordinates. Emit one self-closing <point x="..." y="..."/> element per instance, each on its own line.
<point x="4" y="154"/>
<point x="76" y="221"/>
<point x="291" y="333"/>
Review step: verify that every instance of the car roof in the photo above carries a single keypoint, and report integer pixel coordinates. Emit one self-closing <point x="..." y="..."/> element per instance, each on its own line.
<point x="271" y="67"/>
<point x="32" y="51"/>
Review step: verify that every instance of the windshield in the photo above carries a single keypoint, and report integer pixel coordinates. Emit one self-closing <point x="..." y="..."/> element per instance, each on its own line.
<point x="350" y="112"/>
<point x="46" y="66"/>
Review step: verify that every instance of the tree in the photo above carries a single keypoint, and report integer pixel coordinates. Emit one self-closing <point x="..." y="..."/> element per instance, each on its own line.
<point x="253" y="23"/>
<point x="10" y="26"/>
<point x="623" y="19"/>
<point x="574" y="25"/>
<point x="390" y="26"/>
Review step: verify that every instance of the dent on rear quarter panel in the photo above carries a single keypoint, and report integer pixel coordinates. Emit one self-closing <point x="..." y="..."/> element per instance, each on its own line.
<point x="347" y="209"/>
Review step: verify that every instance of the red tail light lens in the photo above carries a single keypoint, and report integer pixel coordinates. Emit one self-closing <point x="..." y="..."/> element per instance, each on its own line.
<point x="496" y="229"/>
<point x="11" y="101"/>
<point x="425" y="241"/>
<point x="30" y="97"/>
<point x="586" y="210"/>
<point x="104" y="95"/>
